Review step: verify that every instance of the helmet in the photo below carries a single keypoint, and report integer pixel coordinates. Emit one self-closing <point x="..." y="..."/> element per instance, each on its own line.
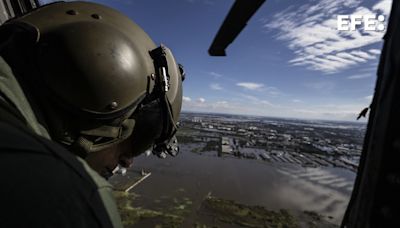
<point x="100" y="76"/>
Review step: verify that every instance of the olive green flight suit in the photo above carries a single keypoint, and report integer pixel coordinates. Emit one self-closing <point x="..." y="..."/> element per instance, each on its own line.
<point x="13" y="93"/>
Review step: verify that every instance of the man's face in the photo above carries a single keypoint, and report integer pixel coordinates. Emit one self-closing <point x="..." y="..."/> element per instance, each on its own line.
<point x="105" y="161"/>
<point x="147" y="128"/>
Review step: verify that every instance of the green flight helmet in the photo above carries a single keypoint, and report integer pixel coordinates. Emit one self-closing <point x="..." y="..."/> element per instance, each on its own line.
<point x="101" y="71"/>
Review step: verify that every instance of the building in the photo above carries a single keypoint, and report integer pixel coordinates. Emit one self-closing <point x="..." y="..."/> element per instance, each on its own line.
<point x="226" y="146"/>
<point x="197" y="119"/>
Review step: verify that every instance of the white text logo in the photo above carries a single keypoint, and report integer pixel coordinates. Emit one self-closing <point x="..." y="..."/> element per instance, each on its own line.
<point x="354" y="22"/>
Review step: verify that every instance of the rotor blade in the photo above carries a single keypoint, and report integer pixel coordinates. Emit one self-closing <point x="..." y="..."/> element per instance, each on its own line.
<point x="240" y="13"/>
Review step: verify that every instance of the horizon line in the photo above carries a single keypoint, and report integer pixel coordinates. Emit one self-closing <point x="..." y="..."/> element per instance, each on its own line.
<point x="276" y="117"/>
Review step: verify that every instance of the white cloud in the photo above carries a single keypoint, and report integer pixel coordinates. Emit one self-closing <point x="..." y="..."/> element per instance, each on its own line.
<point x="369" y="98"/>
<point x="201" y="100"/>
<point x="360" y="76"/>
<point x="311" y="32"/>
<point x="362" y="54"/>
<point x="375" y="51"/>
<point x="349" y="115"/>
<point x="325" y="86"/>
<point x="297" y="101"/>
<point x="250" y="85"/>
<point x="331" y="111"/>
<point x="215" y="75"/>
<point x="186" y="99"/>
<point x="218" y="106"/>
<point x="265" y="102"/>
<point x="255" y="100"/>
<point x="215" y="86"/>
<point x="272" y="91"/>
<point x="249" y="97"/>
<point x="384" y="6"/>
<point x="350" y="56"/>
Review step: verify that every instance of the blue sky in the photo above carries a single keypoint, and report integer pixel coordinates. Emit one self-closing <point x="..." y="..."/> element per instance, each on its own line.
<point x="290" y="61"/>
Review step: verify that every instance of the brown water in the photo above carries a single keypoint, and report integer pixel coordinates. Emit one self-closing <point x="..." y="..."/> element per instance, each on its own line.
<point x="192" y="177"/>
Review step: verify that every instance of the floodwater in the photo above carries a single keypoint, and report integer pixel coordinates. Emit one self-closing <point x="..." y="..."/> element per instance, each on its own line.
<point x="252" y="182"/>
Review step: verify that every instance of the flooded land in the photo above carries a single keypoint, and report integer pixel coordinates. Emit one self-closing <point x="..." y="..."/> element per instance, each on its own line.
<point x="246" y="172"/>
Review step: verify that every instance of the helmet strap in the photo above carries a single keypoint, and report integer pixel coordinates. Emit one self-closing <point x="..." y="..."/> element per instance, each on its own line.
<point x="162" y="87"/>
